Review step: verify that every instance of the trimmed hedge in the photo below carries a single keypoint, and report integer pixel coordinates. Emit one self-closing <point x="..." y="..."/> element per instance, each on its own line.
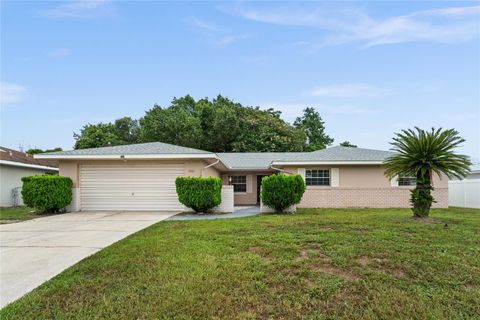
<point x="198" y="193"/>
<point x="47" y="193"/>
<point x="282" y="191"/>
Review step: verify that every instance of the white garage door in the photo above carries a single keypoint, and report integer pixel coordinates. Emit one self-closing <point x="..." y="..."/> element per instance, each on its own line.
<point x="129" y="187"/>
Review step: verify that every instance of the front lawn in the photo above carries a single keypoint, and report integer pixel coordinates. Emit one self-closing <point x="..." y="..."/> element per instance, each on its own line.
<point x="317" y="264"/>
<point x="8" y="215"/>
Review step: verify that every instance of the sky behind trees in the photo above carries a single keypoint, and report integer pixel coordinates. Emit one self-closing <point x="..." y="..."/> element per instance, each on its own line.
<point x="369" y="69"/>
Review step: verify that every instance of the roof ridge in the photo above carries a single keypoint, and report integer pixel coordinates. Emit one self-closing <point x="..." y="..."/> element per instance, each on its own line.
<point x="351" y="148"/>
<point x="129" y="146"/>
<point x="265" y="152"/>
<point x="332" y="154"/>
<point x="15" y="156"/>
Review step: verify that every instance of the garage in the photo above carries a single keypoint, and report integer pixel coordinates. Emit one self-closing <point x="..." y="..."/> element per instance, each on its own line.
<point x="130" y="186"/>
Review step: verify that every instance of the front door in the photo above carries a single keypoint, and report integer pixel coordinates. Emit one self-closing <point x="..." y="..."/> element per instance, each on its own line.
<point x="259" y="187"/>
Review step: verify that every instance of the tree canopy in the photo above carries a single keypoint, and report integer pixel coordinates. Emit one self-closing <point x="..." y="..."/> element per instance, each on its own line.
<point x="421" y="153"/>
<point x="347" y="143"/>
<point x="217" y="125"/>
<point x="37" y="151"/>
<point x="314" y="127"/>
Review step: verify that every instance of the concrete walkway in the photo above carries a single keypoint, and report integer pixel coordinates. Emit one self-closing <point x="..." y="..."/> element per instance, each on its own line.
<point x="35" y="251"/>
<point x="239" y="212"/>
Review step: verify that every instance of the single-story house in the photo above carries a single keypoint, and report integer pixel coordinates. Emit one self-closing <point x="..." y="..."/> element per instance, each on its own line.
<point x="13" y="166"/>
<point x="142" y="176"/>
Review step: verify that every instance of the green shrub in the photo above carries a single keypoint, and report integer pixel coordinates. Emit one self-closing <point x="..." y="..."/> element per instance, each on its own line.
<point x="282" y="191"/>
<point x="200" y="194"/>
<point x="47" y="193"/>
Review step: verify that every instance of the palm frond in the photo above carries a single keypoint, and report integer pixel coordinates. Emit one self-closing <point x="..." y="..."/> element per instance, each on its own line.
<point x="421" y="151"/>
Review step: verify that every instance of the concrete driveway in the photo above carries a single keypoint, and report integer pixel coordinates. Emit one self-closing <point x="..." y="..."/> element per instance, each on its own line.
<point x="35" y="251"/>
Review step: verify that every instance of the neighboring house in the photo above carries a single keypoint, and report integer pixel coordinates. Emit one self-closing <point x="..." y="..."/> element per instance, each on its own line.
<point x="465" y="192"/>
<point x="474" y="173"/>
<point x="142" y="176"/>
<point x="13" y="166"/>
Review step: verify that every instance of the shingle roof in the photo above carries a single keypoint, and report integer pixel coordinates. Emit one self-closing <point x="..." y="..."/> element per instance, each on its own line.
<point x="254" y="160"/>
<point x="7" y="154"/>
<point x="340" y="153"/>
<point x="264" y="159"/>
<point x="475" y="168"/>
<point x="131" y="149"/>
<point x="237" y="160"/>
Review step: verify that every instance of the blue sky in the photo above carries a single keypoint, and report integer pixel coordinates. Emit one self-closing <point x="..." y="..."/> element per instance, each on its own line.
<point x="369" y="68"/>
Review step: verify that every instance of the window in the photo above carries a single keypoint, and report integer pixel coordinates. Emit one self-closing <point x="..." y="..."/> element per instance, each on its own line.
<point x="317" y="177"/>
<point x="239" y="183"/>
<point x="407" y="181"/>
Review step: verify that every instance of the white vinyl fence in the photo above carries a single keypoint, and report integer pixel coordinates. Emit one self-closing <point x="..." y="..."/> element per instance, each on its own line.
<point x="464" y="193"/>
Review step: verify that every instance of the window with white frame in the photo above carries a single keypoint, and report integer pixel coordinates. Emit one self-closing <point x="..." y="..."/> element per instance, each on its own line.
<point x="407" y="181"/>
<point x="317" y="177"/>
<point x="239" y="183"/>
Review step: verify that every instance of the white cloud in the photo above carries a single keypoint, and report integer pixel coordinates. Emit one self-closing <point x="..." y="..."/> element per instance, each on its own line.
<point x="347" y="91"/>
<point x="229" y="39"/>
<point x="292" y="110"/>
<point x="80" y="9"/>
<point x="216" y="35"/>
<point x="343" y="109"/>
<point x="198" y="23"/>
<point x="452" y="11"/>
<point x="60" y="53"/>
<point x="10" y="92"/>
<point x="346" y="25"/>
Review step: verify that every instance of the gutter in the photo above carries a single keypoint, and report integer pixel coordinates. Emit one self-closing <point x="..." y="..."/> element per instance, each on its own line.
<point x="302" y="163"/>
<point x="235" y="169"/>
<point x="124" y="157"/>
<point x="278" y="169"/>
<point x="134" y="157"/>
<point x="210" y="165"/>
<point x="26" y="165"/>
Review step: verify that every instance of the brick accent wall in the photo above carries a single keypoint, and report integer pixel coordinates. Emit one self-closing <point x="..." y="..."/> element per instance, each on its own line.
<point x="318" y="197"/>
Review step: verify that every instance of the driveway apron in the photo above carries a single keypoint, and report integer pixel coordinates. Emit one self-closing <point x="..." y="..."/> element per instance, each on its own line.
<point x="35" y="251"/>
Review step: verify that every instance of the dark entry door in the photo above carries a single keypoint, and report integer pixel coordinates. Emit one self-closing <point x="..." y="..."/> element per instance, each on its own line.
<point x="259" y="185"/>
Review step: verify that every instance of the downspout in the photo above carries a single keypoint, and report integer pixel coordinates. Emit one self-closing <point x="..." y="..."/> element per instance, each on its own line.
<point x="211" y="164"/>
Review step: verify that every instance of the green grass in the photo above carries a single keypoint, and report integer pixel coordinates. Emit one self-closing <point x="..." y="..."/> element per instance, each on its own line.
<point x="8" y="215"/>
<point x="317" y="264"/>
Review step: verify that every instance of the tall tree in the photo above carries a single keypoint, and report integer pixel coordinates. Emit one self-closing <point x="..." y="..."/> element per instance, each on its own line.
<point x="123" y="131"/>
<point x="348" y="144"/>
<point x="126" y="130"/>
<point x="34" y="151"/>
<point x="421" y="154"/>
<point x="314" y="128"/>
<point x="97" y="135"/>
<point x="221" y="123"/>
<point x="218" y="125"/>
<point x="37" y="151"/>
<point x="263" y="131"/>
<point x="173" y="125"/>
<point x="186" y="104"/>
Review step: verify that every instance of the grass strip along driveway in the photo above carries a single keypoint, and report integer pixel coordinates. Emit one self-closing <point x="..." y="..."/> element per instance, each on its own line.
<point x="9" y="215"/>
<point x="316" y="264"/>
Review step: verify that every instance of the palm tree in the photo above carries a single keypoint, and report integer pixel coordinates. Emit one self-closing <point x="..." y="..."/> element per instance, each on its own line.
<point x="421" y="153"/>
